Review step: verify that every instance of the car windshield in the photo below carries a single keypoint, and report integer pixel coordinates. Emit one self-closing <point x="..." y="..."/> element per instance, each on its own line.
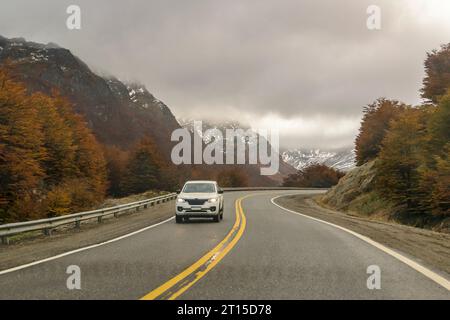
<point x="199" y="188"/>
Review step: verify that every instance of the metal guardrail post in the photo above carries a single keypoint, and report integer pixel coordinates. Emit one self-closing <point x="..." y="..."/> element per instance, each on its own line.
<point x="5" y="240"/>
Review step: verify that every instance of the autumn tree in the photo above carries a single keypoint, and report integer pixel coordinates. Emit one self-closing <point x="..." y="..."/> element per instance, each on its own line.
<point x="76" y="168"/>
<point x="435" y="184"/>
<point x="59" y="162"/>
<point x="50" y="163"/>
<point x="116" y="163"/>
<point x="145" y="168"/>
<point x="439" y="124"/>
<point x="232" y="177"/>
<point x="399" y="161"/>
<point x="374" y="125"/>
<point x="435" y="168"/>
<point x="314" y="176"/>
<point x="21" y="149"/>
<point x="437" y="69"/>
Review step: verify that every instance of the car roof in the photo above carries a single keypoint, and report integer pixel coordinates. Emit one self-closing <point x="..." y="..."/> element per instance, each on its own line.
<point x="201" y="181"/>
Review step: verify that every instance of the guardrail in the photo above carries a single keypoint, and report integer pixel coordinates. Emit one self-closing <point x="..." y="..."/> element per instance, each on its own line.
<point x="269" y="188"/>
<point x="47" y="225"/>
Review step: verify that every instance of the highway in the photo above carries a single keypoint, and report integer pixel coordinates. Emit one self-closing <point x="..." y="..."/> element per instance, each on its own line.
<point x="259" y="251"/>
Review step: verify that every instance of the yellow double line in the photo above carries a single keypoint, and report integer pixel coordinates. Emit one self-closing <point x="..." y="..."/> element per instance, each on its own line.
<point x="187" y="278"/>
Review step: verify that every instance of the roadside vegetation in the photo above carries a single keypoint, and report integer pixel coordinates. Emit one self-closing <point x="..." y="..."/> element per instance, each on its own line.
<point x="314" y="176"/>
<point x="233" y="177"/>
<point x="403" y="153"/>
<point x="51" y="164"/>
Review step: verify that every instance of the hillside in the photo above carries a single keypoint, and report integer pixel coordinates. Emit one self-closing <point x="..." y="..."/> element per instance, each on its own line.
<point x="356" y="184"/>
<point x="119" y="114"/>
<point x="356" y="195"/>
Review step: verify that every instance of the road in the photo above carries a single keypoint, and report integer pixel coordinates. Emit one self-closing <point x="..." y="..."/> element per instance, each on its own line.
<point x="259" y="251"/>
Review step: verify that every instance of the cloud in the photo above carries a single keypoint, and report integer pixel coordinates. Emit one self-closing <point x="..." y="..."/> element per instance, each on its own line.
<point x="306" y="61"/>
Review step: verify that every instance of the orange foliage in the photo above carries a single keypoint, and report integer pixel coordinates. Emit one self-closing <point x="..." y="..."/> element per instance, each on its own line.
<point x="374" y="125"/>
<point x="437" y="69"/>
<point x="44" y="148"/>
<point x="314" y="176"/>
<point x="234" y="177"/>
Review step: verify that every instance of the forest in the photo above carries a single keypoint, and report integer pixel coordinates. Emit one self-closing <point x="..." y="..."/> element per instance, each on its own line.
<point x="411" y="145"/>
<point x="51" y="163"/>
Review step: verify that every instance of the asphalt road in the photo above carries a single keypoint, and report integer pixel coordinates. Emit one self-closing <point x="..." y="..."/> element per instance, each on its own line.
<point x="259" y="252"/>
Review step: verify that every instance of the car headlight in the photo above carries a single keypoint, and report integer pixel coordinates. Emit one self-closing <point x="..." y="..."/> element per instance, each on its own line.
<point x="213" y="200"/>
<point x="179" y="200"/>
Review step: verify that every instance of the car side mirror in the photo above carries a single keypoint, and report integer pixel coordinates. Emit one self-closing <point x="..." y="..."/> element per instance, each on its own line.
<point x="220" y="191"/>
<point x="178" y="191"/>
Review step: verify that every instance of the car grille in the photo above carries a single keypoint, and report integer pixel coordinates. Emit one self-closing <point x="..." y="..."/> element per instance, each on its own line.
<point x="196" y="202"/>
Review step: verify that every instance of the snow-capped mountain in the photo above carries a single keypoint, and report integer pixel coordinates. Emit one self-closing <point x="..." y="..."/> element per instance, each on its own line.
<point x="284" y="168"/>
<point x="343" y="159"/>
<point x="221" y="126"/>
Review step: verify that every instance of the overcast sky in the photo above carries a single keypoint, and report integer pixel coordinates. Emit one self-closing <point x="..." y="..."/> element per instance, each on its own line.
<point x="306" y="67"/>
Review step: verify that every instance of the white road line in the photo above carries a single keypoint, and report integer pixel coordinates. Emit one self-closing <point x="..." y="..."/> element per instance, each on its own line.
<point x="425" y="271"/>
<point x="84" y="248"/>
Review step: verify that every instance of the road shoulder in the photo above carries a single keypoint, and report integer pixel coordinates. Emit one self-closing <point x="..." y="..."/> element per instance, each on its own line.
<point x="432" y="249"/>
<point x="41" y="247"/>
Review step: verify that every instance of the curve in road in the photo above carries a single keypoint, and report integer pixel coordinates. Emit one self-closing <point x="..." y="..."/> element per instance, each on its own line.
<point x="279" y="256"/>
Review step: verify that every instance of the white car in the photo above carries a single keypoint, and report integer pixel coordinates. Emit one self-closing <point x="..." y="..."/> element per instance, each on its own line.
<point x="199" y="199"/>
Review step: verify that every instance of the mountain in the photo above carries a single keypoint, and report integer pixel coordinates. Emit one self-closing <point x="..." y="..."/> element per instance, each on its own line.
<point x="343" y="159"/>
<point x="255" y="178"/>
<point x="119" y="114"/>
<point x="291" y="160"/>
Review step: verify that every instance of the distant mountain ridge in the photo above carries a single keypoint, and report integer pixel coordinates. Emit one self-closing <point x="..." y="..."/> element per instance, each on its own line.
<point x="343" y="160"/>
<point x="284" y="168"/>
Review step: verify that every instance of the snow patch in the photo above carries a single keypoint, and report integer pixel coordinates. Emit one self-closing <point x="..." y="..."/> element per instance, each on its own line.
<point x="300" y="158"/>
<point x="37" y="57"/>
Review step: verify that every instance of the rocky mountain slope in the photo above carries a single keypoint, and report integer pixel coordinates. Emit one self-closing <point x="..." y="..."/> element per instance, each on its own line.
<point x="343" y="160"/>
<point x="284" y="168"/>
<point x="119" y="114"/>
<point x="355" y="184"/>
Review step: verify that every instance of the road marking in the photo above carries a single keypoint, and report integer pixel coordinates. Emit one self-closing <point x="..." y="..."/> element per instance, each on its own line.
<point x="423" y="270"/>
<point x="187" y="278"/>
<point x="84" y="248"/>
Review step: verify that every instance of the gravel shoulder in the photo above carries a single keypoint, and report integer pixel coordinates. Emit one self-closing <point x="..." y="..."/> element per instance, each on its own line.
<point x="432" y="249"/>
<point x="38" y="247"/>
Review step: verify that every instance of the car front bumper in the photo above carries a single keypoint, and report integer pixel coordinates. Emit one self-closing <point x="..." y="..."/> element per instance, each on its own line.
<point x="197" y="211"/>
